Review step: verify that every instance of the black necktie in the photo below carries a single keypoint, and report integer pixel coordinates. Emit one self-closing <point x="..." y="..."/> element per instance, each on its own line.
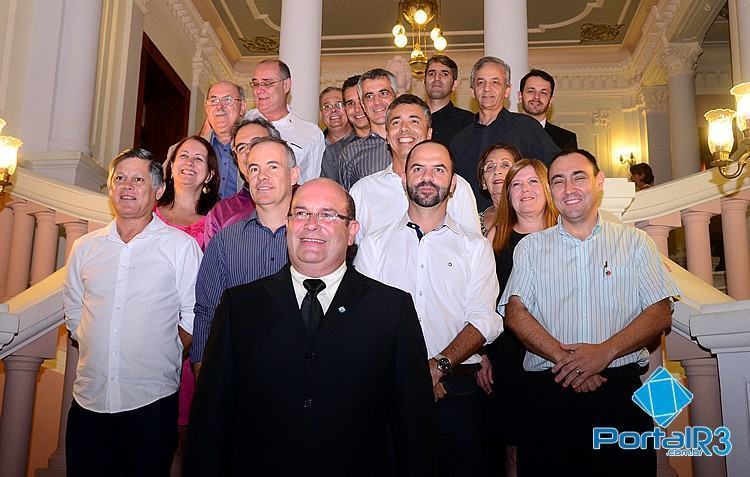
<point x="312" y="311"/>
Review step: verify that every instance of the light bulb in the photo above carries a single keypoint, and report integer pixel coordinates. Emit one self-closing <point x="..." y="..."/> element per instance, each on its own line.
<point x="435" y="33"/>
<point x="720" y="137"/>
<point x="420" y="17"/>
<point x="400" y="40"/>
<point x="441" y="43"/>
<point x="416" y="52"/>
<point x="398" y="29"/>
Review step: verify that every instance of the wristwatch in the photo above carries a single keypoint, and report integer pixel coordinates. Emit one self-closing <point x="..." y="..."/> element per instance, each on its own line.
<point x="443" y="364"/>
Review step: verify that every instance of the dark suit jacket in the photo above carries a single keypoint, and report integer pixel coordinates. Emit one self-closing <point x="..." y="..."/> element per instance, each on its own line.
<point x="562" y="137"/>
<point x="271" y="400"/>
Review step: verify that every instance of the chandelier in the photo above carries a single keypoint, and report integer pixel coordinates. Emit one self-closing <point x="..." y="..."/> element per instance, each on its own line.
<point x="721" y="134"/>
<point x="419" y="14"/>
<point x="8" y="157"/>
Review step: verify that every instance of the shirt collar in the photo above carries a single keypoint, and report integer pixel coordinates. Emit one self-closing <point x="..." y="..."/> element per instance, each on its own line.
<point x="448" y="223"/>
<point x="155" y="227"/>
<point x="332" y="278"/>
<point x="594" y="232"/>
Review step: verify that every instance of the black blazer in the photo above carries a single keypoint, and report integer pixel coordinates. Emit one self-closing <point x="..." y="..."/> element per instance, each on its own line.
<point x="272" y="400"/>
<point x="562" y="137"/>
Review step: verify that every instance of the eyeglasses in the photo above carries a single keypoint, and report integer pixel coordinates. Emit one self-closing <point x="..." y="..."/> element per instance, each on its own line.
<point x="225" y="100"/>
<point x="331" y="106"/>
<point x="241" y="149"/>
<point x="327" y="216"/>
<point x="492" y="167"/>
<point x="264" y="84"/>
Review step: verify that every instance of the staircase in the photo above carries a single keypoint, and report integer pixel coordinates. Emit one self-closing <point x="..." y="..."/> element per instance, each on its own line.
<point x="710" y="336"/>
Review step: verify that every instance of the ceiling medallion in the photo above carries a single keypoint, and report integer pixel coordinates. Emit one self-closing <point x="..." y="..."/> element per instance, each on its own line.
<point x="599" y="32"/>
<point x="260" y="44"/>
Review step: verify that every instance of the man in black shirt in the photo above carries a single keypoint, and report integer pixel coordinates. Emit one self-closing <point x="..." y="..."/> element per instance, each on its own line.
<point x="490" y="86"/>
<point x="440" y="80"/>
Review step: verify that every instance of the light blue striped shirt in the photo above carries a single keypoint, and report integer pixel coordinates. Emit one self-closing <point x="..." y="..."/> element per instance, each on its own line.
<point x="585" y="291"/>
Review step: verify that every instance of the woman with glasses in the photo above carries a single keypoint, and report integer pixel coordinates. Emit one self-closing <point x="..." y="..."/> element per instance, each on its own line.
<point x="191" y="190"/>
<point x="491" y="170"/>
<point x="524" y="206"/>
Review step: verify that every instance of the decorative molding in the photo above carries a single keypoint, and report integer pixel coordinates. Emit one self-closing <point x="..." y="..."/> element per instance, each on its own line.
<point x="599" y="32"/>
<point x="600" y="118"/>
<point x="261" y="44"/>
<point x="654" y="98"/>
<point x="590" y="6"/>
<point x="681" y="58"/>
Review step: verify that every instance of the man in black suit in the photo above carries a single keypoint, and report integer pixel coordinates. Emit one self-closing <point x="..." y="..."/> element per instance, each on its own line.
<point x="536" y="96"/>
<point x="304" y="370"/>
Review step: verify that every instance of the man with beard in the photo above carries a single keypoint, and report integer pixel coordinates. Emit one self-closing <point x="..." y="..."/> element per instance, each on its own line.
<point x="380" y="197"/>
<point x="536" y="96"/>
<point x="440" y="81"/>
<point x="449" y="270"/>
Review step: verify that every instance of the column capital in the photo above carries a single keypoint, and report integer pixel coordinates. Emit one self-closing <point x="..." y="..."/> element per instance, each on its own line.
<point x="681" y="58"/>
<point x="600" y="118"/>
<point x="654" y="98"/>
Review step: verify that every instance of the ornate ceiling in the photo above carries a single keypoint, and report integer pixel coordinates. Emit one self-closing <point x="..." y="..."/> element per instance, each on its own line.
<point x="249" y="28"/>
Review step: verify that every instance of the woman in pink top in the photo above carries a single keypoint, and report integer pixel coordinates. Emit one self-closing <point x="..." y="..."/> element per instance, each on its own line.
<point x="191" y="175"/>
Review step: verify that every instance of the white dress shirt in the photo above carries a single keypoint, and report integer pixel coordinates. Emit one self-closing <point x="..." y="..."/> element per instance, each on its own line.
<point x="450" y="274"/>
<point x="123" y="303"/>
<point x="381" y="200"/>
<point x="305" y="138"/>
<point x="325" y="296"/>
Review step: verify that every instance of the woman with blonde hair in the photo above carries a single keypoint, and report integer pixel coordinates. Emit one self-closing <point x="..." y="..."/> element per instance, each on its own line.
<point x="525" y="207"/>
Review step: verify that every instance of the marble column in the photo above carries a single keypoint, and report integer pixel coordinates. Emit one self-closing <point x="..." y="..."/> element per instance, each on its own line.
<point x="20" y="250"/>
<point x="739" y="33"/>
<point x="299" y="48"/>
<point x="655" y="111"/>
<point x="680" y="60"/>
<point x="76" y="76"/>
<point x="705" y="409"/>
<point x="506" y="36"/>
<point x="43" y="260"/>
<point x="736" y="246"/>
<point x="18" y="407"/>
<point x="698" y="243"/>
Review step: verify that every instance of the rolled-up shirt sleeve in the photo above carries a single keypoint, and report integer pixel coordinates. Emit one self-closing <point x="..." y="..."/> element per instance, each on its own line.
<point x="482" y="291"/>
<point x="187" y="265"/>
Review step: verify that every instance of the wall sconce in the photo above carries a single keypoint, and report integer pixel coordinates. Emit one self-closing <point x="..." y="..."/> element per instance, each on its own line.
<point x="721" y="134"/>
<point x="8" y="157"/>
<point x="627" y="160"/>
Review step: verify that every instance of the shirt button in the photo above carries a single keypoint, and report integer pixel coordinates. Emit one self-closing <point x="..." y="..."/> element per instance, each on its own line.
<point x="115" y="330"/>
<point x="420" y="293"/>
<point x="310" y="357"/>
<point x="308" y="403"/>
<point x="113" y="378"/>
<point x="117" y="307"/>
<point x="114" y="353"/>
<point x="421" y="266"/>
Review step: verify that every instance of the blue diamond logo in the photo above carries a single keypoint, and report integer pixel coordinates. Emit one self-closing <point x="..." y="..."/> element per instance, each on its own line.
<point x="662" y="397"/>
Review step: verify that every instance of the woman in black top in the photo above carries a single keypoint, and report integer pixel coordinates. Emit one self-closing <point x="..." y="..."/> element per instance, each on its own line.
<point x="525" y="207"/>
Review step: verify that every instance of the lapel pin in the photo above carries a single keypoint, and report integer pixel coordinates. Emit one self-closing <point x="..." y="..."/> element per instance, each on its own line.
<point x="342" y="310"/>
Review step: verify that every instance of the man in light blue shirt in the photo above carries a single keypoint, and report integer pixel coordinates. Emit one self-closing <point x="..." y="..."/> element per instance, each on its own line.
<point x="585" y="298"/>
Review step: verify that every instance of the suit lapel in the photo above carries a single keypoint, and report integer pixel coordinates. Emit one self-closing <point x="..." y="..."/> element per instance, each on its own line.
<point x="281" y="290"/>
<point x="351" y="288"/>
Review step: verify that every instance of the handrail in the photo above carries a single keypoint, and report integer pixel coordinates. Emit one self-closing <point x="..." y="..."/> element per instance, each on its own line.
<point x="65" y="198"/>
<point x="682" y="194"/>
<point x="39" y="310"/>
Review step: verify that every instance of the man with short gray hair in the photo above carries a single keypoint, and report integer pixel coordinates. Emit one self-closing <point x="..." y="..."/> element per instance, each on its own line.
<point x="251" y="248"/>
<point x="490" y="86"/>
<point x="128" y="297"/>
